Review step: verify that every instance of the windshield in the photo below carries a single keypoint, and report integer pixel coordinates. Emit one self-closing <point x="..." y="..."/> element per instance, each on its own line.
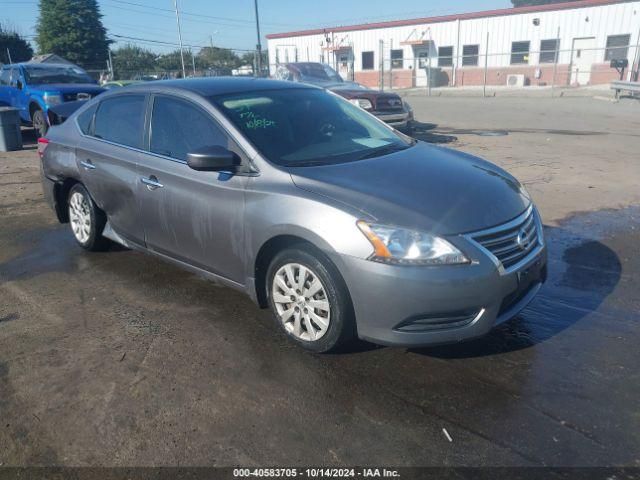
<point x="305" y="127"/>
<point x="317" y="72"/>
<point x="43" y="75"/>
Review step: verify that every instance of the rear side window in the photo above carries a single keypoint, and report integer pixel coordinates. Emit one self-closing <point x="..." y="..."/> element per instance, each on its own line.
<point x="179" y="127"/>
<point x="119" y="120"/>
<point x="85" y="119"/>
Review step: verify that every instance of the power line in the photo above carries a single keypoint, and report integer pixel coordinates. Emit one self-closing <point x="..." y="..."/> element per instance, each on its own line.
<point x="201" y="15"/>
<point x="161" y="42"/>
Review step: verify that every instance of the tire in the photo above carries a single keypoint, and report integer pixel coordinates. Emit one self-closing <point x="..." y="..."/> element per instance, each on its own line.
<point x="39" y="123"/>
<point x="311" y="308"/>
<point x="87" y="221"/>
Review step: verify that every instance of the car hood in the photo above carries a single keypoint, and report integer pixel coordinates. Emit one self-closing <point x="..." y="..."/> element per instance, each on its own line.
<point x="67" y="88"/>
<point x="423" y="187"/>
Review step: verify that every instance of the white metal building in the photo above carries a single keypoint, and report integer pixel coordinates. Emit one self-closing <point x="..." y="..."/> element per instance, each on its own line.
<point x="569" y="43"/>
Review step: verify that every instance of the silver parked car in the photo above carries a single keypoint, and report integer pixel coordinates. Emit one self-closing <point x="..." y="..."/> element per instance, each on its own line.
<point x="312" y="206"/>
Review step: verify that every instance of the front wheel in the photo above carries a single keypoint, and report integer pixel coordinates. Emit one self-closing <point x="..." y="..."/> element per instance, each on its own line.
<point x="86" y="219"/>
<point x="309" y="300"/>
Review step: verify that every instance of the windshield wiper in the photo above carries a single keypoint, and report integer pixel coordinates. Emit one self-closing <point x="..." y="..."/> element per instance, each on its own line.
<point x="378" y="152"/>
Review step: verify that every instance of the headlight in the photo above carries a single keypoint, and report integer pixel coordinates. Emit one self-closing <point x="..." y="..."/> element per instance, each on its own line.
<point x="52" y="99"/>
<point x="409" y="247"/>
<point x="362" y="103"/>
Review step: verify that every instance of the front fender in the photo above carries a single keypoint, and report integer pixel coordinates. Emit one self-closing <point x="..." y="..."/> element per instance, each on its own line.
<point x="328" y="225"/>
<point x="37" y="100"/>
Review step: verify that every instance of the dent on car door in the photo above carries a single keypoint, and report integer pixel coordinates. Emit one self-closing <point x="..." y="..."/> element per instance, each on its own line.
<point x="193" y="216"/>
<point x="107" y="158"/>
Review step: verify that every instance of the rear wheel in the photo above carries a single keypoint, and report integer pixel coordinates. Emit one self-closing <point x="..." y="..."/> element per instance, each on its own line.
<point x="39" y="123"/>
<point x="87" y="221"/>
<point x="309" y="300"/>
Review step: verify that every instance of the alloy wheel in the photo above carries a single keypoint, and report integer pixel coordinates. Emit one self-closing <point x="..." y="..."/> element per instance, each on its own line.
<point x="80" y="217"/>
<point x="301" y="302"/>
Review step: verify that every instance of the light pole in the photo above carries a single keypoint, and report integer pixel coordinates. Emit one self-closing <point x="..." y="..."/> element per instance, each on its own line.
<point x="258" y="45"/>
<point x="184" y="71"/>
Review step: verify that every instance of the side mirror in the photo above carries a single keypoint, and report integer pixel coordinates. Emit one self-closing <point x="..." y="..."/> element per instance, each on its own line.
<point x="214" y="158"/>
<point x="19" y="84"/>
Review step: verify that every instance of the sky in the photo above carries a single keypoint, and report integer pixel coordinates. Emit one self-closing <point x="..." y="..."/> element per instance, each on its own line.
<point x="231" y="24"/>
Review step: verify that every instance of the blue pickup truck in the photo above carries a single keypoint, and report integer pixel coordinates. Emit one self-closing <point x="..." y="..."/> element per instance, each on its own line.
<point x="35" y="87"/>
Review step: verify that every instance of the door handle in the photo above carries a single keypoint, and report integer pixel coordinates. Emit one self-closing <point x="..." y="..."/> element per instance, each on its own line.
<point x="87" y="165"/>
<point x="152" y="182"/>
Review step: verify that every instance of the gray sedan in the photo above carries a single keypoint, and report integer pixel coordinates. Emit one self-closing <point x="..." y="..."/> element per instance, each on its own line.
<point x="341" y="225"/>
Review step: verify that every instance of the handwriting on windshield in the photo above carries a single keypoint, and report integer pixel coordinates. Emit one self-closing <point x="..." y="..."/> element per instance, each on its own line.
<point x="253" y="121"/>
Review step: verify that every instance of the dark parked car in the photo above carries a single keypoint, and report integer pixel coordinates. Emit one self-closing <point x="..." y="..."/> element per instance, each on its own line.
<point x="314" y="208"/>
<point x="35" y="87"/>
<point x="388" y="107"/>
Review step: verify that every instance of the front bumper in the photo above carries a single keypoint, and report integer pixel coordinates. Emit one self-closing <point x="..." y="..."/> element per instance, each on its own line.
<point x="395" y="119"/>
<point x="414" y="306"/>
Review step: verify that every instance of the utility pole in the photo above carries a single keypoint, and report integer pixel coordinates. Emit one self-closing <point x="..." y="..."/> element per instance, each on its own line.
<point x="110" y="66"/>
<point x="193" y="62"/>
<point x="184" y="71"/>
<point x="9" y="55"/>
<point x="429" y="64"/>
<point x="258" y="46"/>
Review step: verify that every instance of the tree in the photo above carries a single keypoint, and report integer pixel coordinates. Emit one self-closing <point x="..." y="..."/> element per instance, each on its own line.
<point x="525" y="3"/>
<point x="248" y="58"/>
<point x="214" y="57"/>
<point x="131" y="60"/>
<point x="73" y="29"/>
<point x="19" y="48"/>
<point x="171" y="62"/>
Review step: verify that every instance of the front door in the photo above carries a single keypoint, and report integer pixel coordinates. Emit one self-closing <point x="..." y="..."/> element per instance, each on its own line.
<point x="583" y="57"/>
<point x="195" y="217"/>
<point x="19" y="99"/>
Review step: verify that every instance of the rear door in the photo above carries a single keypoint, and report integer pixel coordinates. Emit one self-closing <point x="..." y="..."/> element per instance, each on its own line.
<point x="108" y="156"/>
<point x="192" y="216"/>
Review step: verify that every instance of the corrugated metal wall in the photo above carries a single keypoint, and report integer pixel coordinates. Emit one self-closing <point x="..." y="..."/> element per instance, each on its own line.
<point x="598" y="22"/>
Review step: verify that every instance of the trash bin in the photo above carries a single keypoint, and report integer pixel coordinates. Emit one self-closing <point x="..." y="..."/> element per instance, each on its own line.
<point x="10" y="136"/>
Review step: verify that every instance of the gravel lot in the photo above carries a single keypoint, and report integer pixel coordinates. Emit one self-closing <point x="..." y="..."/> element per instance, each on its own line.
<point x="119" y="359"/>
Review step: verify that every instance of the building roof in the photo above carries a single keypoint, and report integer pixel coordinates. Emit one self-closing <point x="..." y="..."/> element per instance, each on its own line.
<point x="450" y="18"/>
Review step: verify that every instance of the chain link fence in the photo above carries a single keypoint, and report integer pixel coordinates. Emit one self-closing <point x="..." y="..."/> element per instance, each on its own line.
<point x="488" y="73"/>
<point x="437" y="71"/>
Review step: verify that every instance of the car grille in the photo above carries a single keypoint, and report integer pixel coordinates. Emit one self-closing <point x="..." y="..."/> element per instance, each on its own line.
<point x="389" y="104"/>
<point x="513" y="241"/>
<point x="71" y="97"/>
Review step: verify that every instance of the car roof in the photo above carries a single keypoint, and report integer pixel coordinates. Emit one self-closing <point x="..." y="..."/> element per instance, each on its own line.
<point x="217" y="85"/>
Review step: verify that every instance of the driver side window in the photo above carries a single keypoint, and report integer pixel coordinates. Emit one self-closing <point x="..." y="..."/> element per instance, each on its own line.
<point x="179" y="127"/>
<point x="5" y="76"/>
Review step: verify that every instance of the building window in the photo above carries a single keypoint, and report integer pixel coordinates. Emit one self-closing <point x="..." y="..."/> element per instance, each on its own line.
<point x="549" y="51"/>
<point x="617" y="47"/>
<point x="519" y="53"/>
<point x="367" y="60"/>
<point x="470" y="55"/>
<point x="445" y="56"/>
<point x="396" y="58"/>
